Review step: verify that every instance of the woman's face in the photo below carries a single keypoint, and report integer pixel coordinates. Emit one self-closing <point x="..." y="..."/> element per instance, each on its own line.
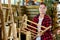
<point x="42" y="9"/>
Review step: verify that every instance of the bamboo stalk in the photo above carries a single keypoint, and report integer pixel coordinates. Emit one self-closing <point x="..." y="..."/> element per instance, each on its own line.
<point x="34" y="23"/>
<point x="31" y="26"/>
<point x="30" y="31"/>
<point x="19" y="14"/>
<point x="10" y="30"/>
<point x="47" y="29"/>
<point x="34" y="27"/>
<point x="0" y="3"/>
<point x="32" y="34"/>
<point x="4" y="35"/>
<point x="12" y="20"/>
<point x="24" y="31"/>
<point x="14" y="31"/>
<point x="31" y="22"/>
<point x="28" y="35"/>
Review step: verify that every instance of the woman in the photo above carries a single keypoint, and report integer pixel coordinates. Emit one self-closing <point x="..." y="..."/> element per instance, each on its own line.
<point x="43" y="20"/>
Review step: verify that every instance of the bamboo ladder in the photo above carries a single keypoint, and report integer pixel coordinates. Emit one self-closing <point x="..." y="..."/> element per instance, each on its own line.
<point x="25" y="20"/>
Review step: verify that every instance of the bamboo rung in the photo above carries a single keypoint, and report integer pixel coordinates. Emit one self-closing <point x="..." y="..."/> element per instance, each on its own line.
<point x="31" y="32"/>
<point x="33" y="23"/>
<point x="24" y="31"/>
<point x="34" y="27"/>
<point x="31" y="26"/>
<point x="43" y="27"/>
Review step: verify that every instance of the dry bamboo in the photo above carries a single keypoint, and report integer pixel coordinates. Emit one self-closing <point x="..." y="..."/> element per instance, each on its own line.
<point x="12" y="20"/>
<point x="4" y="35"/>
<point x="28" y="35"/>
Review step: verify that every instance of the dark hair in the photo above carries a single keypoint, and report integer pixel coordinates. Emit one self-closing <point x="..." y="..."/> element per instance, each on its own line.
<point x="42" y="3"/>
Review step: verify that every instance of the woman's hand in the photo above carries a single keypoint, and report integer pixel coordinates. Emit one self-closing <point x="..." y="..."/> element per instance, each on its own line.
<point x="40" y="33"/>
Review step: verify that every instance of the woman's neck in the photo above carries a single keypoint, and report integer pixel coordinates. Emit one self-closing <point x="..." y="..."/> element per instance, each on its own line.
<point x="41" y="15"/>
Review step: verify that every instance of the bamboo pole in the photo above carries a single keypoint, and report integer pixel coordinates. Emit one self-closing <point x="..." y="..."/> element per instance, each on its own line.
<point x="0" y="3"/>
<point x="31" y="26"/>
<point x="34" y="27"/>
<point x="30" y="31"/>
<point x="0" y="23"/>
<point x="12" y="20"/>
<point x="24" y="21"/>
<point x="14" y="32"/>
<point x="20" y="15"/>
<point x="10" y="28"/>
<point x="31" y="22"/>
<point x="24" y="31"/>
<point x="28" y="35"/>
<point x="4" y="35"/>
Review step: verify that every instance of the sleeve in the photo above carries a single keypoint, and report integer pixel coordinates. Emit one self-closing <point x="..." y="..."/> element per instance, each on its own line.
<point x="48" y="33"/>
<point x="48" y="23"/>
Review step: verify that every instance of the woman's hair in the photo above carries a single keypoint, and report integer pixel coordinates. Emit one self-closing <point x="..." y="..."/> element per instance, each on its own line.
<point x="42" y="3"/>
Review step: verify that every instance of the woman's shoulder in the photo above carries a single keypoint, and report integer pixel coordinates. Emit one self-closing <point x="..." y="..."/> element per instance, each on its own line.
<point x="35" y="18"/>
<point x="47" y="16"/>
